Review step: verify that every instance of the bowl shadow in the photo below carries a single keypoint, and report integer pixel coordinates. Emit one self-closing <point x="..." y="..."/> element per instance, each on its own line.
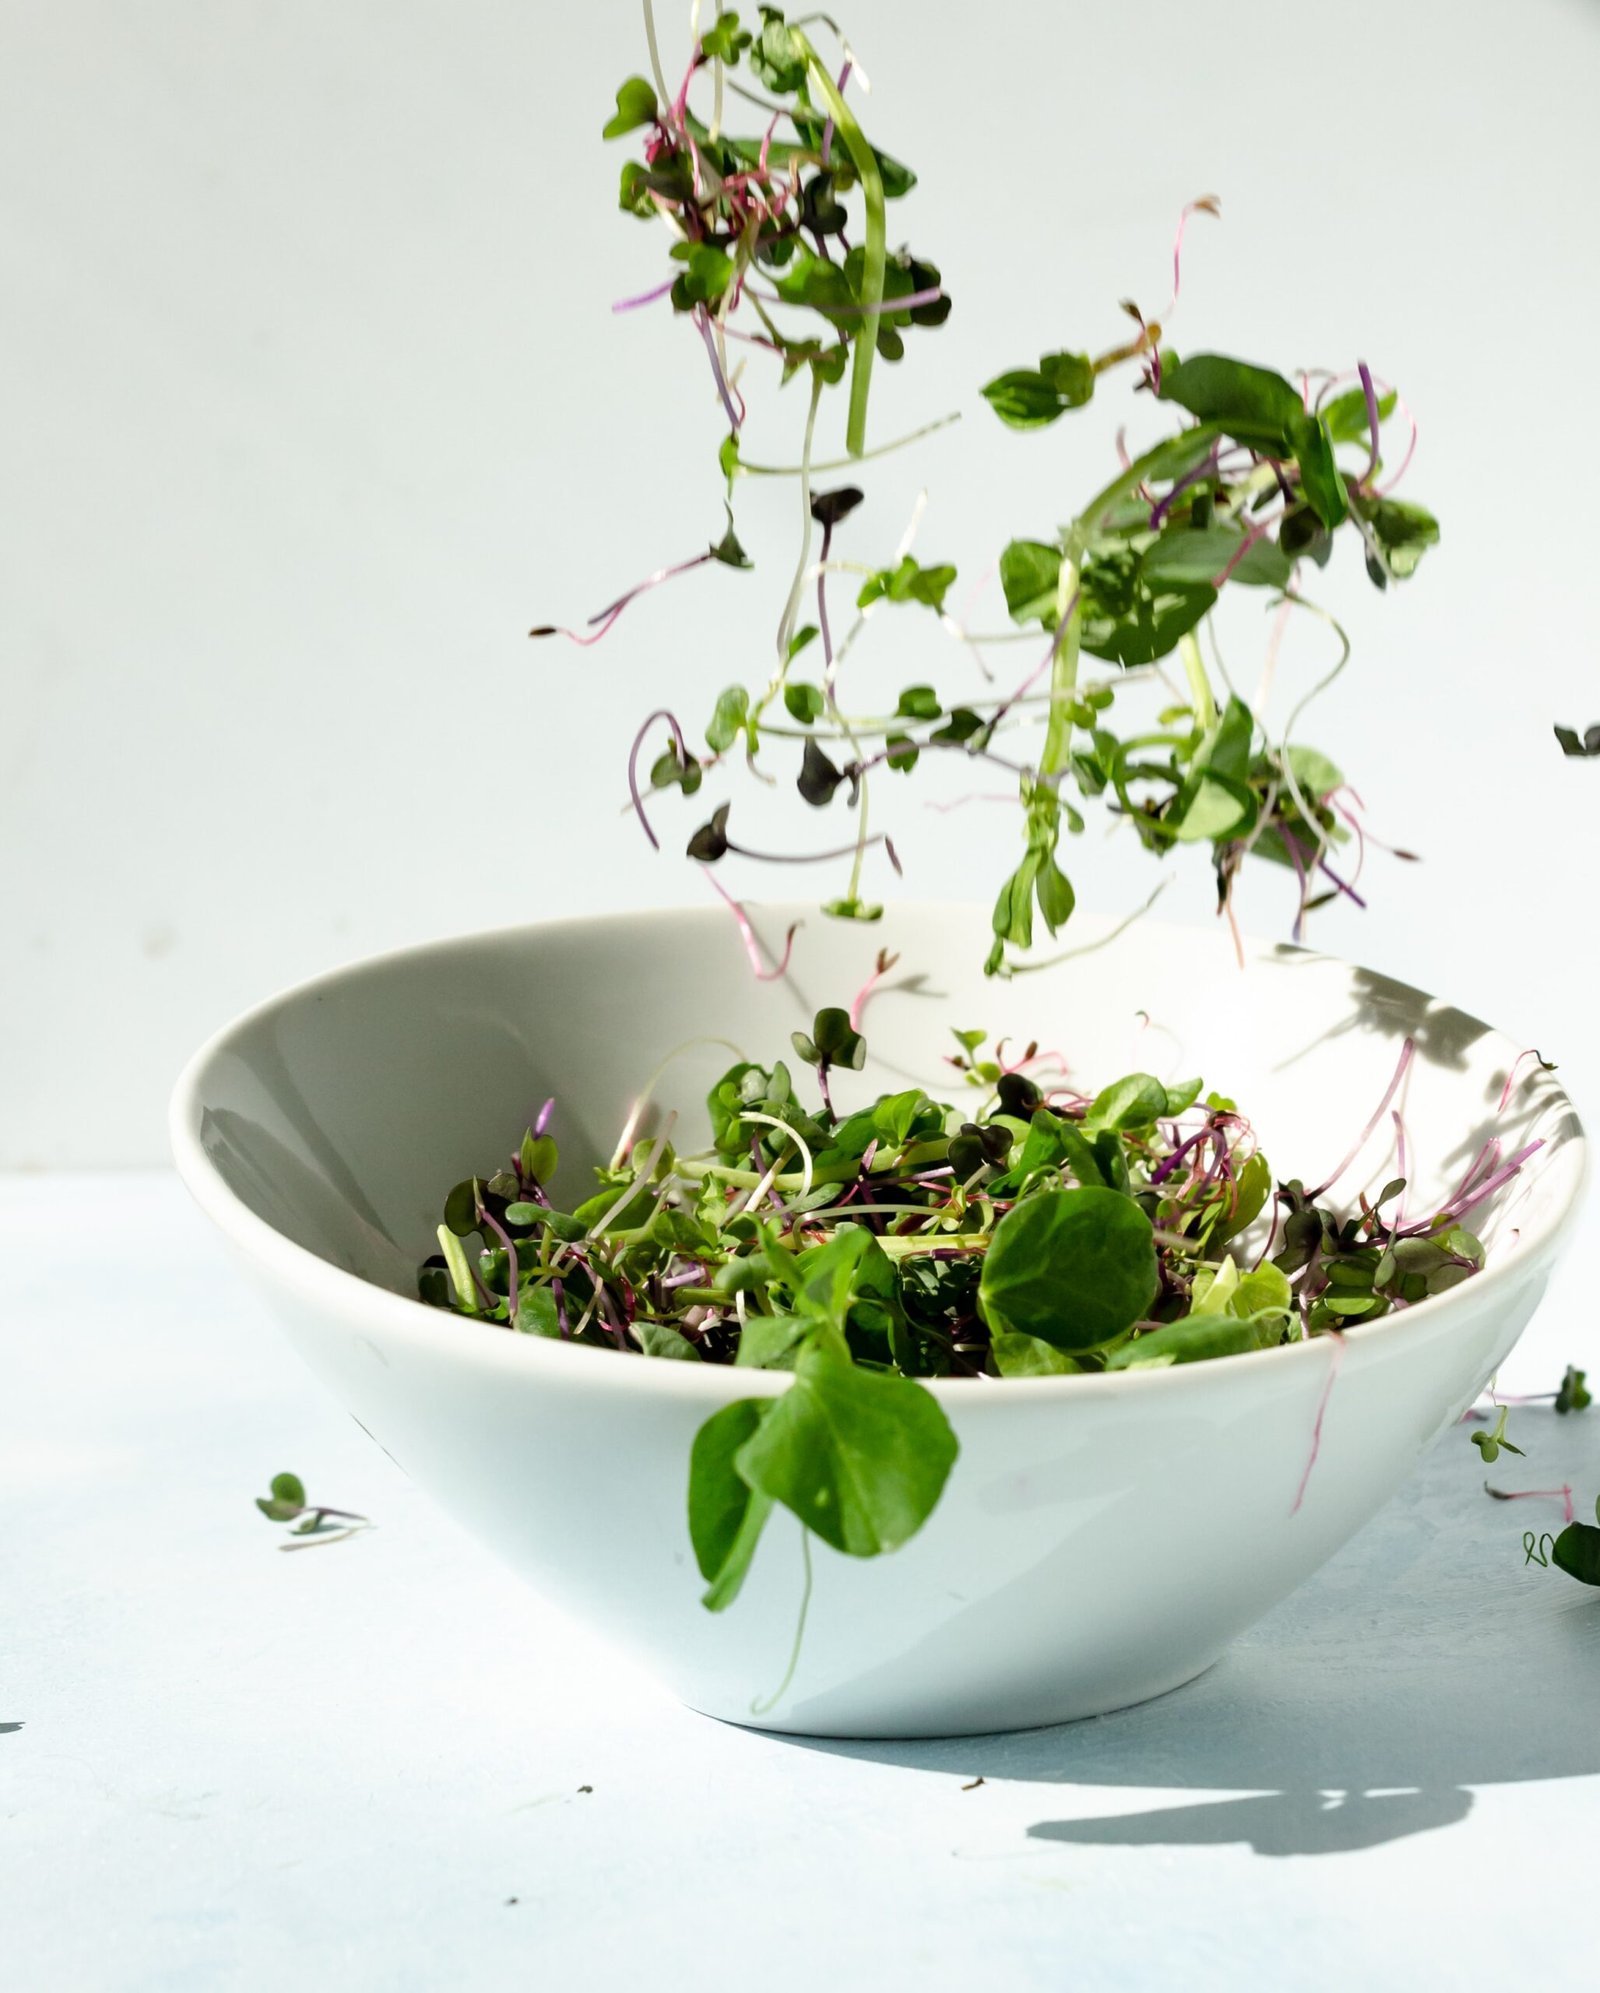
<point x="1429" y="1657"/>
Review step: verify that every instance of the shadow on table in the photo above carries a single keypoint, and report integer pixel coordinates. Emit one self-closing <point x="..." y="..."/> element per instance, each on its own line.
<point x="1425" y="1660"/>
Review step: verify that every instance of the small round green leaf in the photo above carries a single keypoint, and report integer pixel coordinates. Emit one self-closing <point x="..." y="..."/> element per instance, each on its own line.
<point x="1072" y="1267"/>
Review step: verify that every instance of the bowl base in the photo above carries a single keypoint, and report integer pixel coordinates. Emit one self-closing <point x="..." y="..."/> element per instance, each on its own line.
<point x="1032" y="1713"/>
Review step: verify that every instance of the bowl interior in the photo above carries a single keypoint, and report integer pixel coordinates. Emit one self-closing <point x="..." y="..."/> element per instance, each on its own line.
<point x="340" y="1113"/>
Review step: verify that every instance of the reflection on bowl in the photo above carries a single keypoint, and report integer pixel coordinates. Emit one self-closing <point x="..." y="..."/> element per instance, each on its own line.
<point x="1102" y="1538"/>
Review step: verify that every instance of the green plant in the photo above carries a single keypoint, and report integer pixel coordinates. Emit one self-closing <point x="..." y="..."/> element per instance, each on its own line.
<point x="779" y="244"/>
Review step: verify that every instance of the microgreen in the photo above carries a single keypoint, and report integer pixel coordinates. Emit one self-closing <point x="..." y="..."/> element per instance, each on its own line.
<point x="285" y="1501"/>
<point x="1034" y="1229"/>
<point x="779" y="247"/>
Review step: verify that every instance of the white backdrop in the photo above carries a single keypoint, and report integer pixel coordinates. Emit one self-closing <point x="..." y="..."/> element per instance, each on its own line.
<point x="313" y="402"/>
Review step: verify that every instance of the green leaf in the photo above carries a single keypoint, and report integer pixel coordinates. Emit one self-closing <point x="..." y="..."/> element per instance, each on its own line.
<point x="724" y="39"/>
<point x="1315" y="773"/>
<point x="1574" y="1395"/>
<point x="1072" y="1267"/>
<point x="707" y="274"/>
<point x="1071" y="375"/>
<point x="1213" y="1291"/>
<point x="836" y="1040"/>
<point x="1251" y="403"/>
<point x="727" y="721"/>
<point x="1253" y="1186"/>
<point x="1263" y="1291"/>
<point x="1577" y="1552"/>
<point x="1027" y="1356"/>
<point x="828" y="1274"/>
<point x="726" y="1515"/>
<point x="778" y="54"/>
<point x="804" y="702"/>
<point x="1030" y="574"/>
<point x="557" y="1223"/>
<point x="860" y="1456"/>
<point x="1190" y="554"/>
<point x="1028" y="399"/>
<point x="919" y="702"/>
<point x="1404" y="533"/>
<point x="1053" y="890"/>
<point x="1127" y="1105"/>
<point x="1196" y="1339"/>
<point x="908" y="582"/>
<point x="636" y="105"/>
<point x="1320" y="479"/>
<point x="1346" y="415"/>
<point x="660" y="1339"/>
<point x="768" y="1342"/>
<point x="536" y="1312"/>
<point x="286" y="1500"/>
<point x="1131" y="618"/>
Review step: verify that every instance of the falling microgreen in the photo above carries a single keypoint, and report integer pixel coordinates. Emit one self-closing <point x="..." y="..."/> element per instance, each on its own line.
<point x="779" y="262"/>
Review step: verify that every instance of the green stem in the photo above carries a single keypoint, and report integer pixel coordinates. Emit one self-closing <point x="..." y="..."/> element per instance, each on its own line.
<point x="777" y="1695"/>
<point x="846" y="463"/>
<point x="1063" y="675"/>
<point x="655" y="56"/>
<point x="1205" y="706"/>
<point x="875" y="247"/>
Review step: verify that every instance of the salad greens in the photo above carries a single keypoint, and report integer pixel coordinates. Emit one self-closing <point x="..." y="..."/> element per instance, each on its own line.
<point x="778" y="246"/>
<point x="1032" y="1230"/>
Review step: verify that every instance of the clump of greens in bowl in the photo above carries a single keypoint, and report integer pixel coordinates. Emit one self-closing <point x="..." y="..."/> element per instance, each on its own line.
<point x="1036" y="1230"/>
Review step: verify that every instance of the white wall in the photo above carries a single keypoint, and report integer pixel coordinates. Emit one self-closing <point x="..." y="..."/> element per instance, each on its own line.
<point x="313" y="403"/>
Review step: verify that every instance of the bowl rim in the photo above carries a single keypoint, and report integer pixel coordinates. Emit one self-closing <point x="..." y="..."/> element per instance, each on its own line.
<point x="349" y="1296"/>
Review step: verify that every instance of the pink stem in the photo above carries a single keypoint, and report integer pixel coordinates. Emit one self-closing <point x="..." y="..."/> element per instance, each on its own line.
<point x="747" y="935"/>
<point x="1336" y="1337"/>
<point x="1407" y="1053"/>
<point x="644" y="297"/>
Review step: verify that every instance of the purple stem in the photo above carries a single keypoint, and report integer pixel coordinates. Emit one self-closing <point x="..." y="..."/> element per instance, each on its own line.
<point x="1371" y="394"/>
<point x="826" y="151"/>
<point x="703" y="318"/>
<point x="1337" y="1338"/>
<point x="607" y="616"/>
<point x="1400" y="1171"/>
<point x="678" y="742"/>
<point x="822" y="597"/>
<point x="1407" y="1053"/>
<point x="487" y="1217"/>
<point x="802" y="857"/>
<point x="1458" y="1210"/>
<point x="644" y="297"/>
<point x="1202" y="469"/>
<point x="1165" y="1170"/>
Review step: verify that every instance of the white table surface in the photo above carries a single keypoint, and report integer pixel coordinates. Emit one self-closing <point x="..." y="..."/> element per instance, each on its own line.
<point x="384" y="1763"/>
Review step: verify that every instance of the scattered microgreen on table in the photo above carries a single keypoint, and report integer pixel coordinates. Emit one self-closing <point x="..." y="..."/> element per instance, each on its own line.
<point x="778" y="243"/>
<point x="1034" y="1230"/>
<point x="285" y="1501"/>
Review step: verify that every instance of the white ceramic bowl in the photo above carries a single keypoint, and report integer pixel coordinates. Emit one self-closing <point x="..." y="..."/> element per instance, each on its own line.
<point x="1101" y="1538"/>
